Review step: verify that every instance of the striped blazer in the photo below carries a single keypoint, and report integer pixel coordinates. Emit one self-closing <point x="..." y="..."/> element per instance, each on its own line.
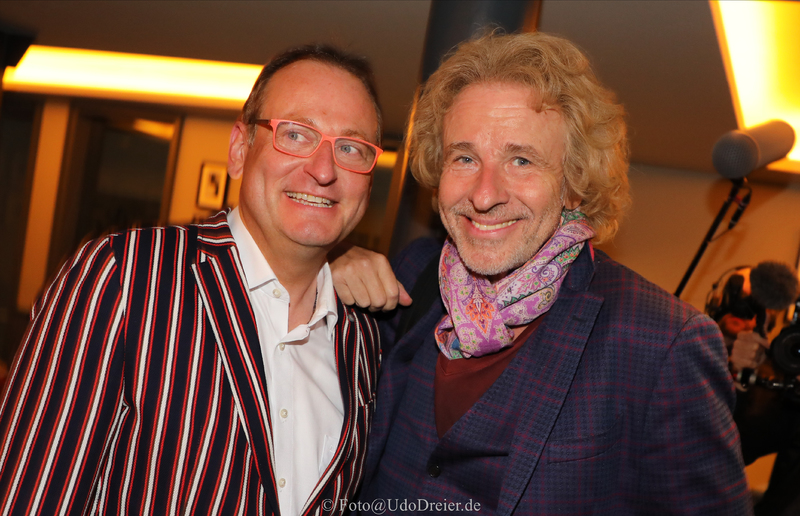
<point x="140" y="387"/>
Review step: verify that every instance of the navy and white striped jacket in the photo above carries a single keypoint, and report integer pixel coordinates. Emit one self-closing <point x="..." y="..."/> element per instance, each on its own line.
<point x="140" y="387"/>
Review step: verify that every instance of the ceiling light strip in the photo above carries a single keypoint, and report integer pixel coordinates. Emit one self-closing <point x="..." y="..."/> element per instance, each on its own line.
<point x="76" y="72"/>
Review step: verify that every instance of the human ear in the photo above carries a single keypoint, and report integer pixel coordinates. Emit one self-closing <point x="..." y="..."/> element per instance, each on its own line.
<point x="237" y="150"/>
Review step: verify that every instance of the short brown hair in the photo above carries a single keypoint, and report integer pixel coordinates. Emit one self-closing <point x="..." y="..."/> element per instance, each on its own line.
<point x="596" y="157"/>
<point x="356" y="66"/>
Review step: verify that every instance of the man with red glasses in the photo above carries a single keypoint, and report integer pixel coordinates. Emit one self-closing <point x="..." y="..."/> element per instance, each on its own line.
<point x="210" y="368"/>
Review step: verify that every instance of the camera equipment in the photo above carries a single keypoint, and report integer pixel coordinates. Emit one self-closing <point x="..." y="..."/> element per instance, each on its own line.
<point x="748" y="377"/>
<point x="785" y="354"/>
<point x="785" y="349"/>
<point x="774" y="286"/>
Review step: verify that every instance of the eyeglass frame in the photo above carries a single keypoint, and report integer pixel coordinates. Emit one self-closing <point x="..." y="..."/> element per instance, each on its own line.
<point x="274" y="122"/>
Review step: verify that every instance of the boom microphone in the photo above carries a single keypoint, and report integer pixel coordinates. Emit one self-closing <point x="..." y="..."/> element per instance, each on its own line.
<point x="739" y="152"/>
<point x="743" y="203"/>
<point x="736" y="154"/>
<point x="774" y="285"/>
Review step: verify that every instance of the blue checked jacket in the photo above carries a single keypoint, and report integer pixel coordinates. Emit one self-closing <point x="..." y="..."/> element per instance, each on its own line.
<point x="619" y="404"/>
<point x="140" y="387"/>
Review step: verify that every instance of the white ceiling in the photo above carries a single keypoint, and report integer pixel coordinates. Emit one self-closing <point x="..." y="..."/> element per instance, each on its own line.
<point x="661" y="57"/>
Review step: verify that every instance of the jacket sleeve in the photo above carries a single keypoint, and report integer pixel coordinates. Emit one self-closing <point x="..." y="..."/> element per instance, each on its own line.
<point x="690" y="462"/>
<point x="407" y="266"/>
<point x="64" y="389"/>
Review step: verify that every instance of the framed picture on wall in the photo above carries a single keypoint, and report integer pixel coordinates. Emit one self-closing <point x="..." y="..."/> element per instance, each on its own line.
<point x="213" y="179"/>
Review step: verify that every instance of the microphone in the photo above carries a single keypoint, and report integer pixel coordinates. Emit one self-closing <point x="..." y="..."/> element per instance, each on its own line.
<point x="739" y="152"/>
<point x="738" y="213"/>
<point x="736" y="154"/>
<point x="774" y="285"/>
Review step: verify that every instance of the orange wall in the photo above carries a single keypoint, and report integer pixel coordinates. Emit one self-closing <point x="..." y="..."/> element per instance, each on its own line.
<point x="202" y="140"/>
<point x="671" y="214"/>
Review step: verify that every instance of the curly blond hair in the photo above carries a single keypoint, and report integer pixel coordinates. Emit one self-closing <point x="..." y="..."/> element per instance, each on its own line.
<point x="596" y="156"/>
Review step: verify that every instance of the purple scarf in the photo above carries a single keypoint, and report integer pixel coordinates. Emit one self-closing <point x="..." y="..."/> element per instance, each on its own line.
<point x="484" y="313"/>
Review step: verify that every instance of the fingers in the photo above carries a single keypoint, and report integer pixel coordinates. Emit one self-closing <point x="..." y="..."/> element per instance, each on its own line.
<point x="364" y="290"/>
<point x="404" y="298"/>
<point x="748" y="351"/>
<point x="345" y="296"/>
<point x="365" y="278"/>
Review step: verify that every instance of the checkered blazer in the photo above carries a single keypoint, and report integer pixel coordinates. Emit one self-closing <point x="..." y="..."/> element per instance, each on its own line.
<point x="140" y="387"/>
<point x="619" y="404"/>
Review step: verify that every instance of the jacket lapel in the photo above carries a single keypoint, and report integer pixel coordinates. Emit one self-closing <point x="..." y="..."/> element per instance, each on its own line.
<point x="392" y="384"/>
<point x="355" y="347"/>
<point x="220" y="283"/>
<point x="546" y="367"/>
<point x="344" y="344"/>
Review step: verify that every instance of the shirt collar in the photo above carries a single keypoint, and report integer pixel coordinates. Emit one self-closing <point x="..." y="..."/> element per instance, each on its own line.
<point x="257" y="271"/>
<point x="259" y="274"/>
<point x="326" y="300"/>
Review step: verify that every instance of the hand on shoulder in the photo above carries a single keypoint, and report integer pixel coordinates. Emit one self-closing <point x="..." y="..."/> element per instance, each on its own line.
<point x="365" y="278"/>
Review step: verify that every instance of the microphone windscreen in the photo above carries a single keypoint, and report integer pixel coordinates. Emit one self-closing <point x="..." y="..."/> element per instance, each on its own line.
<point x="774" y="285"/>
<point x="737" y="153"/>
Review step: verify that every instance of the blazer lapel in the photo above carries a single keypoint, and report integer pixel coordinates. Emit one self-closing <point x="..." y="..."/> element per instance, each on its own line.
<point x="346" y="349"/>
<point x="224" y="296"/>
<point x="546" y="367"/>
<point x="393" y="382"/>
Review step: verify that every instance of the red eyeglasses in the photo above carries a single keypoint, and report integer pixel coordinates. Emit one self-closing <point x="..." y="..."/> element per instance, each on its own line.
<point x="296" y="139"/>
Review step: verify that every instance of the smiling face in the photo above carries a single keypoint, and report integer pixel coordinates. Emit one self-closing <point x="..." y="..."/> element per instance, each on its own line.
<point x="296" y="205"/>
<point x="502" y="185"/>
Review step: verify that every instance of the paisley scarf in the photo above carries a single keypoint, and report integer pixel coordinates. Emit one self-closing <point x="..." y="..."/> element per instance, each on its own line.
<point x="480" y="315"/>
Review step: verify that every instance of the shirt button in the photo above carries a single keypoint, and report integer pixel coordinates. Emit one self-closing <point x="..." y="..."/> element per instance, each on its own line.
<point x="281" y="345"/>
<point x="351" y="317"/>
<point x="284" y="415"/>
<point x="282" y="482"/>
<point x="434" y="470"/>
<point x="276" y="292"/>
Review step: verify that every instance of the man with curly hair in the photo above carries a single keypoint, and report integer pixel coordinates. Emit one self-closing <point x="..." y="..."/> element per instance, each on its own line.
<point x="540" y="377"/>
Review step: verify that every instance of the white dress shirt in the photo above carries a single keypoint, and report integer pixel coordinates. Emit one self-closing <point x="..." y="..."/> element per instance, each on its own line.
<point x="305" y="400"/>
